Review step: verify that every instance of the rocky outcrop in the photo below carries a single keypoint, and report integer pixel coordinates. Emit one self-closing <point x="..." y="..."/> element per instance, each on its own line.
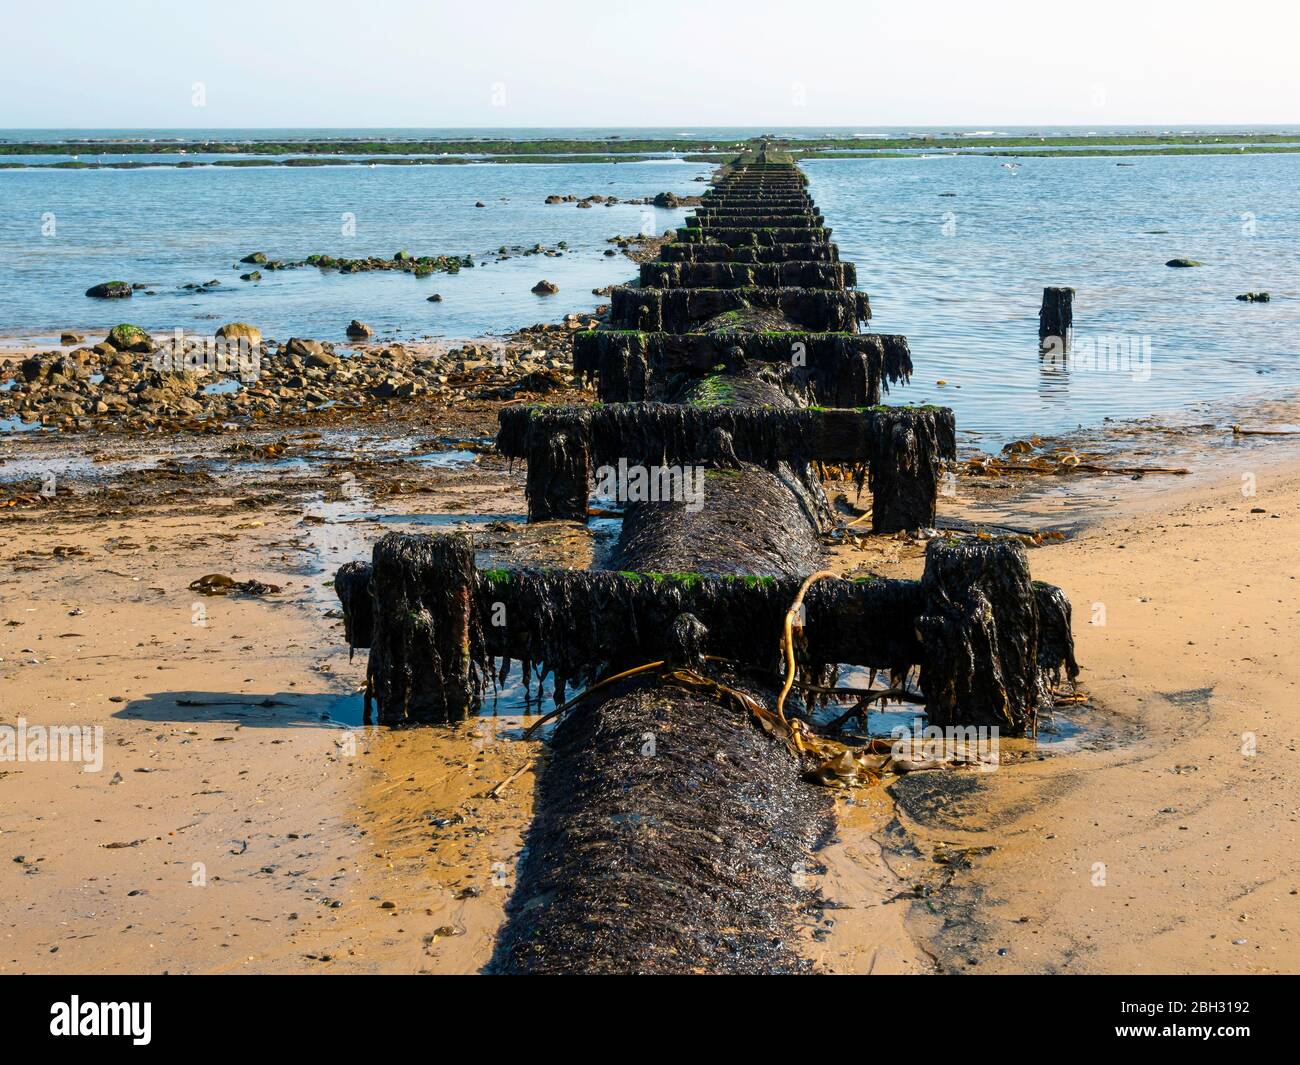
<point x="110" y="290"/>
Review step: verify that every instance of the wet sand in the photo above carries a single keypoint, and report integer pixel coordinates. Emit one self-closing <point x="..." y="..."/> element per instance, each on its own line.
<point x="1167" y="844"/>
<point x="305" y="824"/>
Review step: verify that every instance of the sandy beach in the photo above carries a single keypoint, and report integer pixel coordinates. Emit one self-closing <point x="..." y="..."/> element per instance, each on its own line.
<point x="243" y="820"/>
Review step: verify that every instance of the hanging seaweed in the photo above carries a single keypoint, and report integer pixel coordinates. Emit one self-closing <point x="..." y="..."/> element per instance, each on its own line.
<point x="986" y="656"/>
<point x="427" y="651"/>
<point x="907" y="449"/>
<point x="979" y="636"/>
<point x="749" y="275"/>
<point x="836" y="369"/>
<point x="680" y="310"/>
<point x="1056" y="664"/>
<point x="352" y="586"/>
<point x="904" y="447"/>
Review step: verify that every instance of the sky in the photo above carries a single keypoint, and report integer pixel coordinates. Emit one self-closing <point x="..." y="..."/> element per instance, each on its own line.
<point x="502" y="63"/>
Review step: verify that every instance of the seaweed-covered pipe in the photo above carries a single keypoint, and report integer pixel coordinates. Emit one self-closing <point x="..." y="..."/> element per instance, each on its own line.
<point x="670" y="837"/>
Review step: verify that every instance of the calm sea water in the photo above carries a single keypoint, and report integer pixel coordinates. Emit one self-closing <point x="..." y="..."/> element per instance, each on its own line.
<point x="960" y="275"/>
<point x="168" y="228"/>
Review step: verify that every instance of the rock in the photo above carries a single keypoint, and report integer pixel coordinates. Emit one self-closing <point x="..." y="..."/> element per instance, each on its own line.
<point x="303" y="348"/>
<point x="110" y="290"/>
<point x="435" y="298"/>
<point x="77" y="338"/>
<point x="255" y="275"/>
<point x="667" y="199"/>
<point x="323" y="360"/>
<point x="359" y="330"/>
<point x="541" y="382"/>
<point x="240" y="331"/>
<point x="257" y="258"/>
<point x="1255" y="297"/>
<point x="546" y="288"/>
<point x="127" y="337"/>
<point x="1184" y="262"/>
<point x="480" y="203"/>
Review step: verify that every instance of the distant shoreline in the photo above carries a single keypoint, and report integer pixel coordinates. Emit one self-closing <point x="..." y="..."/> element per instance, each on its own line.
<point x="344" y="151"/>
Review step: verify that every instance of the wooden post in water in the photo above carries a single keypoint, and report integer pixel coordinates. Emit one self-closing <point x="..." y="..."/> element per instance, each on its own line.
<point x="1056" y="318"/>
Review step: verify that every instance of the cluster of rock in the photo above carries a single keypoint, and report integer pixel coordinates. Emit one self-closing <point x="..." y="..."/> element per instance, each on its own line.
<point x="128" y="381"/>
<point x="418" y="265"/>
<point x="668" y="200"/>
